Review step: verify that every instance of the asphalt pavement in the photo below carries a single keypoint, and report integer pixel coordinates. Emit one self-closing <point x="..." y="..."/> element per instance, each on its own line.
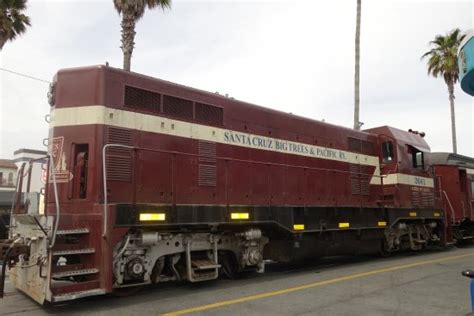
<point x="428" y="283"/>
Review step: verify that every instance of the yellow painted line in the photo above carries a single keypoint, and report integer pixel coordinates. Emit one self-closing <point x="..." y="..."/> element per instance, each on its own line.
<point x="309" y="286"/>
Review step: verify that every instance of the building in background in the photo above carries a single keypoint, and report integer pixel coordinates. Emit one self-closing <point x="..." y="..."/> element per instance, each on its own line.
<point x="8" y="181"/>
<point x="8" y="171"/>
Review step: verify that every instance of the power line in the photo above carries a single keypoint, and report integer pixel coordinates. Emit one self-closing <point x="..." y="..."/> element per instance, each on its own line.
<point x="23" y="75"/>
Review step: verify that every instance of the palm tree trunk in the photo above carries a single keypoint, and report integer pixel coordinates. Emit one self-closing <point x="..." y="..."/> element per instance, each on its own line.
<point x="128" y="37"/>
<point x="453" y="116"/>
<point x="3" y="40"/>
<point x="357" y="68"/>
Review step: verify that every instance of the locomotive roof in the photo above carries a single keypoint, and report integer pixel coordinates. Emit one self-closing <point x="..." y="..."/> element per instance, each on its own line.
<point x="406" y="137"/>
<point x="443" y="158"/>
<point x="226" y="101"/>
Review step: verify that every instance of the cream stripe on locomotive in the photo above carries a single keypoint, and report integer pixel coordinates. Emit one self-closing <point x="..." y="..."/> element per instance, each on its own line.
<point x="102" y="115"/>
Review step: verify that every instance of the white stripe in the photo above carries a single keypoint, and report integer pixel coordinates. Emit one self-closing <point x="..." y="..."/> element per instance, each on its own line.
<point x="470" y="171"/>
<point x="101" y="115"/>
<point x="400" y="178"/>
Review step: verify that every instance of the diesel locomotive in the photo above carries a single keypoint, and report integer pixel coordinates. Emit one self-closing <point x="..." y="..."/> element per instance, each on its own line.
<point x="149" y="181"/>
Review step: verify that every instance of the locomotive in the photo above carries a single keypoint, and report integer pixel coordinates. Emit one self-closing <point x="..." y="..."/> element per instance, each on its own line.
<point x="150" y="181"/>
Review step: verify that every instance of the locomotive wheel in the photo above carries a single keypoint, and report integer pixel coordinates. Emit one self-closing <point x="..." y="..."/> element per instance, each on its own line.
<point x="383" y="251"/>
<point x="230" y="267"/>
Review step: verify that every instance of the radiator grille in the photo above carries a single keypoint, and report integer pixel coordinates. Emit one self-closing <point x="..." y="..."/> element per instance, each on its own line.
<point x="118" y="160"/>
<point x="209" y="114"/>
<point x="360" y="179"/>
<point x="207" y="164"/>
<point x="177" y="107"/>
<point x="142" y="99"/>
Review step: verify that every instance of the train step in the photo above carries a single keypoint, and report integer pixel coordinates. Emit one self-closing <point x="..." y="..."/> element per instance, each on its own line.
<point x="77" y="295"/>
<point x="73" y="252"/>
<point x="77" y="231"/>
<point x="204" y="264"/>
<point x="202" y="269"/>
<point x="65" y="274"/>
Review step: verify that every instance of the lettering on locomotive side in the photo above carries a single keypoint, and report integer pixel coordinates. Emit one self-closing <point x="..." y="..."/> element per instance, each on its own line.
<point x="283" y="146"/>
<point x="420" y="181"/>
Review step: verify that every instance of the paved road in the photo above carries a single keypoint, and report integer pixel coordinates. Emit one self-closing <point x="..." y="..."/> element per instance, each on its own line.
<point x="408" y="284"/>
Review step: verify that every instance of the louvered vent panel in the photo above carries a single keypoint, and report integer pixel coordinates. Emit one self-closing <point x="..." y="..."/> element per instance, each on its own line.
<point x="368" y="148"/>
<point x="142" y="99"/>
<point x="355" y="178"/>
<point x="364" y="180"/>
<point x="353" y="144"/>
<point x="177" y="107"/>
<point x="415" y="198"/>
<point x="209" y="114"/>
<point x="207" y="175"/>
<point x="207" y="164"/>
<point x="427" y="199"/>
<point x="207" y="152"/>
<point x="119" y="160"/>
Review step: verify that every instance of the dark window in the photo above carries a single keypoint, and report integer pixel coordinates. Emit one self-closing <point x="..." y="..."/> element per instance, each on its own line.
<point x="472" y="190"/>
<point x="177" y="107"/>
<point x="354" y="144"/>
<point x="360" y="146"/>
<point x="1" y="178"/>
<point x="10" y="178"/>
<point x="367" y="147"/>
<point x="81" y="160"/>
<point x="387" y="152"/>
<point x="209" y="114"/>
<point x="142" y="99"/>
<point x="417" y="157"/>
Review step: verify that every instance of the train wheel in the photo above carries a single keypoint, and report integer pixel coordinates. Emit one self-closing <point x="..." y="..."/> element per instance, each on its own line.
<point x="230" y="267"/>
<point x="383" y="251"/>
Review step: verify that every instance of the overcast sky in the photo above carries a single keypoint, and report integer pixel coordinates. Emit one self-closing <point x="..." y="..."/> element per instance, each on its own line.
<point x="293" y="56"/>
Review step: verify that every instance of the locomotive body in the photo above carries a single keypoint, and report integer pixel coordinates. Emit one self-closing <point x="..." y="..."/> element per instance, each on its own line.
<point x="150" y="181"/>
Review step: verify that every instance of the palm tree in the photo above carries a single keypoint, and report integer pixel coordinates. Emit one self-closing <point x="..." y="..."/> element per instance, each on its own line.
<point x="12" y="21"/>
<point x="357" y="68"/>
<point x="132" y="11"/>
<point x="443" y="61"/>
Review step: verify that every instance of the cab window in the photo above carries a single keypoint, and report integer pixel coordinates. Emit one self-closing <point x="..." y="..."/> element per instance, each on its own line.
<point x="81" y="160"/>
<point x="387" y="151"/>
<point x="417" y="158"/>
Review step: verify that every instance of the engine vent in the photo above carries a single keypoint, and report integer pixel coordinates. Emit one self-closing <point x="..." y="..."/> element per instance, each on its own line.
<point x="207" y="164"/>
<point x="360" y="146"/>
<point x="360" y="179"/>
<point x="177" y="107"/>
<point x="142" y="99"/>
<point x="118" y="160"/>
<point x="209" y="114"/>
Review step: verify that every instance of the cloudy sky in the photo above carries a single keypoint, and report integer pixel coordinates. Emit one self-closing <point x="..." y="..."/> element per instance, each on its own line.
<point x="293" y="56"/>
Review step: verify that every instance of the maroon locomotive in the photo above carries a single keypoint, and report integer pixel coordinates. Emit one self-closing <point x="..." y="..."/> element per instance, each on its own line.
<point x="150" y="181"/>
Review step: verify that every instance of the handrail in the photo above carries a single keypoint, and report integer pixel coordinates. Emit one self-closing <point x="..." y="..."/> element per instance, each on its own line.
<point x="450" y="205"/>
<point x="104" y="173"/>
<point x="52" y="170"/>
<point x="18" y="177"/>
